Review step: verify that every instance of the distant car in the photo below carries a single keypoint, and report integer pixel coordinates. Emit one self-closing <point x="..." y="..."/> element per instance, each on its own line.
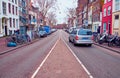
<point x="47" y="29"/>
<point x="71" y="29"/>
<point x="42" y="33"/>
<point x="53" y="30"/>
<point x="81" y="36"/>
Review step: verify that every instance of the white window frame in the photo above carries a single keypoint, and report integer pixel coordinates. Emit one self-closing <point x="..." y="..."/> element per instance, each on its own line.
<point x="104" y="14"/>
<point x="105" y="1"/>
<point x="4" y="7"/>
<point x="109" y="10"/>
<point x="104" y="26"/>
<point x="117" y="5"/>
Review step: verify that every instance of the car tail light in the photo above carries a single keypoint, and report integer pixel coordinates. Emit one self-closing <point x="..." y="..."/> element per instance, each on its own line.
<point x="76" y="38"/>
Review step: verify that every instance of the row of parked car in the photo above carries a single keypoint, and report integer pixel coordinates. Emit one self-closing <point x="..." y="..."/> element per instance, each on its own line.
<point x="45" y="30"/>
<point x="80" y="36"/>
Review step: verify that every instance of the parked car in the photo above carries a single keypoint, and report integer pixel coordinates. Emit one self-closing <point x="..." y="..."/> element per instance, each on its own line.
<point x="81" y="36"/>
<point x="71" y="29"/>
<point x="47" y="29"/>
<point x="42" y="32"/>
<point x="53" y="30"/>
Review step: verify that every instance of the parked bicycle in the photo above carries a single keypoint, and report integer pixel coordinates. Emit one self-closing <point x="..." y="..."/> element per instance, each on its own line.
<point x="18" y="39"/>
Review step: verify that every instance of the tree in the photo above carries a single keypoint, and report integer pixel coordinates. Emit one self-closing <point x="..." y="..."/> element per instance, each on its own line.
<point x="71" y="12"/>
<point x="52" y="18"/>
<point x="45" y="6"/>
<point x="71" y="16"/>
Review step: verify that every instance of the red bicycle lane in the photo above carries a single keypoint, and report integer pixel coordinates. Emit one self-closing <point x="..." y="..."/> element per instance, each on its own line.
<point x="60" y="64"/>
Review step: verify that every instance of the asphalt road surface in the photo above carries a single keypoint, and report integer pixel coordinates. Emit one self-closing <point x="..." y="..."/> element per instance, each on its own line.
<point x="100" y="62"/>
<point x="22" y="63"/>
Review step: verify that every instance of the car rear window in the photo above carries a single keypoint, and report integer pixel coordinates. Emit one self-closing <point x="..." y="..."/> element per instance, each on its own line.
<point x="85" y="32"/>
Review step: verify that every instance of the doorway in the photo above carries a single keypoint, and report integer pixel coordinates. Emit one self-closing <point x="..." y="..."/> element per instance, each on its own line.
<point x="109" y="29"/>
<point x="6" y="31"/>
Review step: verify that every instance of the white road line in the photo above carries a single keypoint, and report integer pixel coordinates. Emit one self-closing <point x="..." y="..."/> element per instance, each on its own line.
<point x="90" y="76"/>
<point x="35" y="73"/>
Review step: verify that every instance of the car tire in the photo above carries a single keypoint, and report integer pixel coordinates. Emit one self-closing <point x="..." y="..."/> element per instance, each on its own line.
<point x="89" y="45"/>
<point x="74" y="43"/>
<point x="69" y="40"/>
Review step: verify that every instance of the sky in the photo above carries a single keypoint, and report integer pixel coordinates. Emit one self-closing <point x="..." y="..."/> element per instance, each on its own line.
<point x="62" y="6"/>
<point x="62" y="9"/>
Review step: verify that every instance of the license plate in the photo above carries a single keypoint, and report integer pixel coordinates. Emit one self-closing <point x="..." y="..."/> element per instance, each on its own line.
<point x="85" y="38"/>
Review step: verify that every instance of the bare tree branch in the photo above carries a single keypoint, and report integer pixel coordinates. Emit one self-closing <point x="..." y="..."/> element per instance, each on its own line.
<point x="52" y="18"/>
<point x="71" y="12"/>
<point x="45" y="5"/>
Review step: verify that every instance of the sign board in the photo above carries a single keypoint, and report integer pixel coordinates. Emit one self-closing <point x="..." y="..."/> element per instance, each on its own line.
<point x="86" y="22"/>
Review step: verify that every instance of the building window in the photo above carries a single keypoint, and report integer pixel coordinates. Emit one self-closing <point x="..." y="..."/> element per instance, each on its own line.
<point x="10" y="21"/>
<point x="105" y="1"/>
<point x="9" y="6"/>
<point x="116" y="21"/>
<point x="117" y="3"/>
<point x="116" y="17"/>
<point x="23" y="11"/>
<point x="15" y="1"/>
<point x="104" y="12"/>
<point x="109" y="26"/>
<point x="14" y="23"/>
<point x="23" y="3"/>
<point x="104" y="27"/>
<point x="4" y="8"/>
<point x="16" y="10"/>
<point x="17" y="23"/>
<point x="13" y="8"/>
<point x="109" y="10"/>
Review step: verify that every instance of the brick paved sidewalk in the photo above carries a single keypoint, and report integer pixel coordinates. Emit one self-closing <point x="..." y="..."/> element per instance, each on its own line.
<point x="61" y="64"/>
<point x="3" y="46"/>
<point x="5" y="49"/>
<point x="112" y="48"/>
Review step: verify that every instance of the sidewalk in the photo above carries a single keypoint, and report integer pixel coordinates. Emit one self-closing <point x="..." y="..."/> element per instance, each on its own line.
<point x="3" y="46"/>
<point x="5" y="49"/>
<point x="61" y="64"/>
<point x="112" y="48"/>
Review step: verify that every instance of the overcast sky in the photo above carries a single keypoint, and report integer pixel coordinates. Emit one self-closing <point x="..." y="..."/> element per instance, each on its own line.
<point x="62" y="8"/>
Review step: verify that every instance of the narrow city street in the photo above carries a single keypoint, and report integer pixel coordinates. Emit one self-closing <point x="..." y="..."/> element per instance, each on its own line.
<point x="59" y="38"/>
<point x="51" y="58"/>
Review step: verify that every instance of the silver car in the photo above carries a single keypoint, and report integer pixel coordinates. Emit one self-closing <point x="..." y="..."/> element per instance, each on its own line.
<point x="81" y="36"/>
<point x="42" y="33"/>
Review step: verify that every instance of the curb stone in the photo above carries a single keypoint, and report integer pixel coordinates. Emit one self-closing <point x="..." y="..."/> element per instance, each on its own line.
<point x="7" y="51"/>
<point x="107" y="48"/>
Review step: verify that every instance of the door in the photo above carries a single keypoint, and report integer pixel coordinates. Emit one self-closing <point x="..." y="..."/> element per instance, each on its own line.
<point x="109" y="27"/>
<point x="6" y="31"/>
